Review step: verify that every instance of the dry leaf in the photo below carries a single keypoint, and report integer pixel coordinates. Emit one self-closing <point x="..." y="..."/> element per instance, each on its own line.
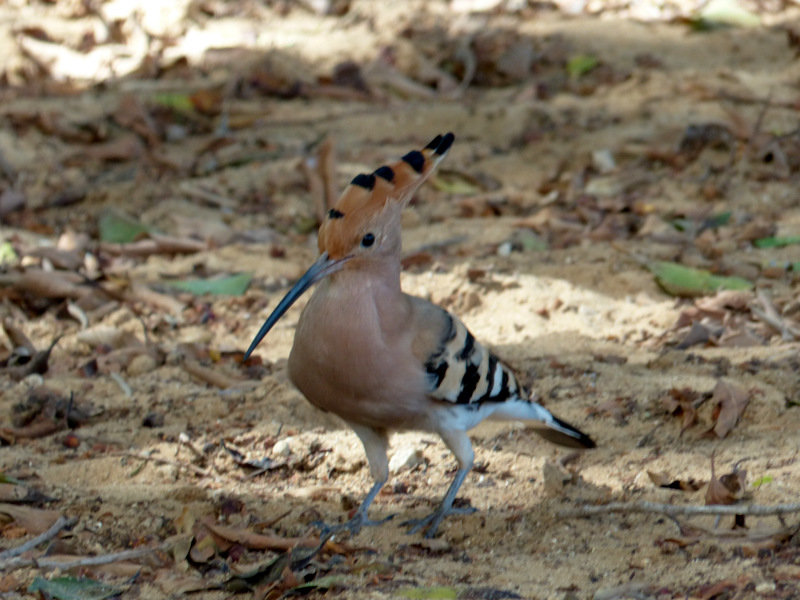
<point x="728" y="489"/>
<point x="730" y="400"/>
<point x="204" y="547"/>
<point x="34" y="520"/>
<point x="257" y="541"/>
<point x="47" y="284"/>
<point x="684" y="403"/>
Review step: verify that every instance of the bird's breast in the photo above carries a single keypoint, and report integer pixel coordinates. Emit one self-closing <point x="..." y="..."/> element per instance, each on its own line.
<point x="352" y="356"/>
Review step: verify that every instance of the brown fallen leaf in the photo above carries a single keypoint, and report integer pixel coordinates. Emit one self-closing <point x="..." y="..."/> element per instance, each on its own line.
<point x="204" y="547"/>
<point x="141" y="293"/>
<point x="124" y="148"/>
<point x="47" y="284"/>
<point x="730" y="401"/>
<point x="69" y="260"/>
<point x="34" y="520"/>
<point x="728" y="489"/>
<point x="697" y="334"/>
<point x="155" y="244"/>
<point x="724" y="301"/>
<point x="258" y="541"/>
<point x="713" y="590"/>
<point x="207" y="102"/>
<point x="17" y="336"/>
<point x="133" y="115"/>
<point x="684" y="403"/>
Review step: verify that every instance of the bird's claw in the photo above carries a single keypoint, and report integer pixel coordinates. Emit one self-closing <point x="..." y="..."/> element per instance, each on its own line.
<point x="430" y="524"/>
<point x="353" y="526"/>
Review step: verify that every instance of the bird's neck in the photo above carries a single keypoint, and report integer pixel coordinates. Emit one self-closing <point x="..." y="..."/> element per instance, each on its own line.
<point x="361" y="273"/>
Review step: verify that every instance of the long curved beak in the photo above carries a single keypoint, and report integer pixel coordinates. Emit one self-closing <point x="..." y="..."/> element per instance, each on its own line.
<point x="321" y="268"/>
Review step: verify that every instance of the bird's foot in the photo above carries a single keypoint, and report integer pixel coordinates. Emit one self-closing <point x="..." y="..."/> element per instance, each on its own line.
<point x="353" y="526"/>
<point x="430" y="524"/>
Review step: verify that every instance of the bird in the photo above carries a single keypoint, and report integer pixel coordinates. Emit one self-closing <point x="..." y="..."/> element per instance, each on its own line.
<point x="386" y="361"/>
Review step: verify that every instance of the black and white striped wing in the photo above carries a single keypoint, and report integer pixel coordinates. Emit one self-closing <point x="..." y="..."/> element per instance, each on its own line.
<point x="462" y="371"/>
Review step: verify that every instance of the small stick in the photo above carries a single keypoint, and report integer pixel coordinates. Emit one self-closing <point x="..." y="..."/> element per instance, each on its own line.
<point x="213" y="198"/>
<point x="88" y="561"/>
<point x="316" y="186"/>
<point x="327" y="170"/>
<point x="165" y="461"/>
<point x="209" y="376"/>
<point x="756" y="510"/>
<point x="55" y="528"/>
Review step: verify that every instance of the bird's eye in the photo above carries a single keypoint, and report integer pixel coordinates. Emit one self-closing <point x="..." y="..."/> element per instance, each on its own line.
<point x="368" y="240"/>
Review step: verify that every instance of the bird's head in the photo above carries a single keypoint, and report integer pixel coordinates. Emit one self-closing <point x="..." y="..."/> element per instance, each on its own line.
<point x="364" y="224"/>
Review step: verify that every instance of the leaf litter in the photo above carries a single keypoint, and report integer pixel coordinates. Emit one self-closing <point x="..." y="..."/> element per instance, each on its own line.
<point x="199" y="162"/>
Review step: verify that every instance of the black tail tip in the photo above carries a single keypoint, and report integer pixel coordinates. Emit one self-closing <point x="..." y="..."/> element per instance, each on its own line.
<point x="567" y="435"/>
<point x="434" y="143"/>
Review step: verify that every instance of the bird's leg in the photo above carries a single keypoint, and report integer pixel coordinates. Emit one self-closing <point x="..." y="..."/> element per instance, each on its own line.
<point x="459" y="443"/>
<point x="376" y="443"/>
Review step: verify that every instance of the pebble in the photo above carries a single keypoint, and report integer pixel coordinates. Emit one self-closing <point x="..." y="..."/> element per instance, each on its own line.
<point x="603" y="160"/>
<point x="283" y="447"/>
<point x="554" y="476"/>
<point x="765" y="587"/>
<point x="405" y="458"/>
<point x="141" y="364"/>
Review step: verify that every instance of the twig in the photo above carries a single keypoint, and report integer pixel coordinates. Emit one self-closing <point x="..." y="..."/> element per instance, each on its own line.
<point x="165" y="461"/>
<point x="55" y="528"/>
<point x="734" y="164"/>
<point x="465" y="53"/>
<point x="736" y="99"/>
<point x="208" y="375"/>
<point x="88" y="561"/>
<point x="670" y="510"/>
<point x="771" y="317"/>
<point x="213" y="198"/>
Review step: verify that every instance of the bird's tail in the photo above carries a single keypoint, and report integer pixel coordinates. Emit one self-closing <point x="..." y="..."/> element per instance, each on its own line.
<point x="562" y="433"/>
<point x="543" y="422"/>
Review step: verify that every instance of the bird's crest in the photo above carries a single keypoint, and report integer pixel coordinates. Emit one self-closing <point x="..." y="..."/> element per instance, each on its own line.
<point x="368" y="194"/>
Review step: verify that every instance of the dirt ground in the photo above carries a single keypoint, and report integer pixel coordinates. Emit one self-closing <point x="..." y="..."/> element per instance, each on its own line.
<point x="594" y="142"/>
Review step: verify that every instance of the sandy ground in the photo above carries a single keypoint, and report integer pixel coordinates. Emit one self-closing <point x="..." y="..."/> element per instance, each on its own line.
<point x="541" y="251"/>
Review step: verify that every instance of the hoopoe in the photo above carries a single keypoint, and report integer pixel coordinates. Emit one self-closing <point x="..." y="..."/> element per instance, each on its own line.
<point x="385" y="361"/>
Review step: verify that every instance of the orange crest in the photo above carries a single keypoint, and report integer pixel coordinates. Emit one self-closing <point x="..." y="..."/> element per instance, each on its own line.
<point x="364" y="201"/>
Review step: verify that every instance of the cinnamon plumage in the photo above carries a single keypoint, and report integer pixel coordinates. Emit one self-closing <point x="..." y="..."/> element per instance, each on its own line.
<point x="386" y="361"/>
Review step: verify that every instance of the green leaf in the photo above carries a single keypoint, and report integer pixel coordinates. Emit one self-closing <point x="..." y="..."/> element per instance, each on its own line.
<point x="428" y="593"/>
<point x="777" y="242"/>
<point x="718" y="220"/>
<point x="454" y="184"/>
<point x="693" y="225"/>
<point x="323" y="583"/>
<point x="8" y="479"/>
<point x="531" y="241"/>
<point x="7" y="254"/>
<point x="71" y="588"/>
<point x="679" y="280"/>
<point x="796" y="267"/>
<point x="175" y="100"/>
<point x="761" y="481"/>
<point x="580" y="64"/>
<point x="117" y="228"/>
<point x="228" y="285"/>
